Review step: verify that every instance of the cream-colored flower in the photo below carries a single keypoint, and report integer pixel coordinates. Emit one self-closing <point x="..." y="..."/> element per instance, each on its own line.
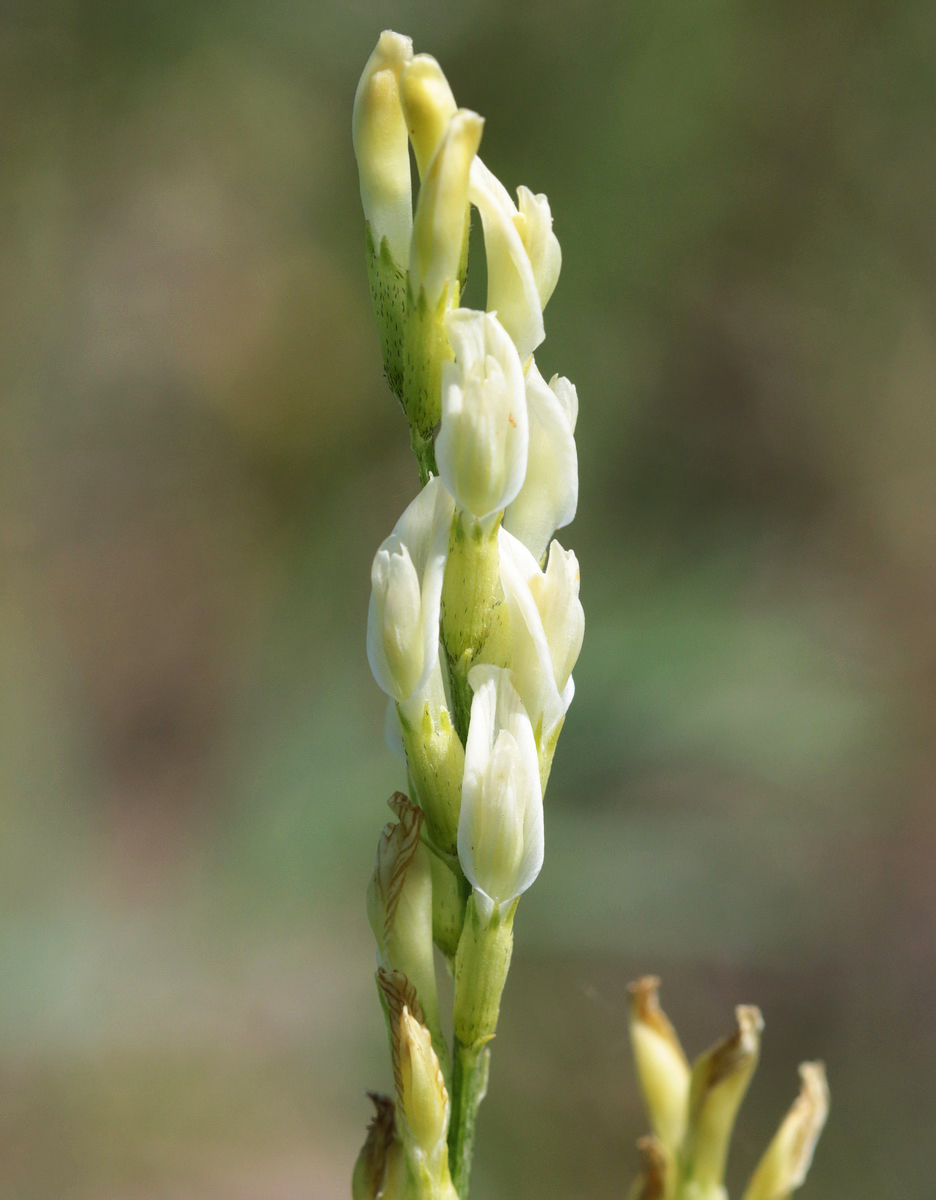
<point x="544" y="631"/>
<point x="512" y="291"/>
<point x="406" y="578"/>
<point x="500" y="829"/>
<point x="483" y="440"/>
<point x="549" y="496"/>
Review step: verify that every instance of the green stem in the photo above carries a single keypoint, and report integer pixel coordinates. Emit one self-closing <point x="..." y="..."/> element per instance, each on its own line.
<point x="481" y="967"/>
<point x="469" y="1086"/>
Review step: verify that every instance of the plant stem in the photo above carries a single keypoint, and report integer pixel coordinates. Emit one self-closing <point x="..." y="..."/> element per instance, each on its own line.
<point x="469" y="1085"/>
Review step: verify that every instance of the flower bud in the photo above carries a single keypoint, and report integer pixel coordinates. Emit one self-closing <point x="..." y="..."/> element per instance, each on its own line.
<point x="381" y="146"/>
<point x="406" y="578"/>
<point x="535" y="226"/>
<point x="500" y="829"/>
<point x="789" y="1156"/>
<point x="484" y="438"/>
<point x="549" y="496"/>
<point x="440" y="227"/>
<point x="720" y="1078"/>
<point x="512" y="291"/>
<point x="428" y="107"/>
<point x="661" y="1064"/>
<point x="422" y="1100"/>
<point x="399" y="906"/>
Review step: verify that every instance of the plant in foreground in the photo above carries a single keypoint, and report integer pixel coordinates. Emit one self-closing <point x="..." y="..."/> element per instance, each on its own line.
<point x="473" y="631"/>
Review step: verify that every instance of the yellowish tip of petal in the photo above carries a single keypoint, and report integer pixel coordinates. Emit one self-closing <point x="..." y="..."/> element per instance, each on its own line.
<point x="428" y="106"/>
<point x="440" y="224"/>
<point x="787" y="1159"/>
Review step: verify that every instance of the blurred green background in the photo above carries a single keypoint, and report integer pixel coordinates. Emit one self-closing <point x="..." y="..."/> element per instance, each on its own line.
<point x="200" y="458"/>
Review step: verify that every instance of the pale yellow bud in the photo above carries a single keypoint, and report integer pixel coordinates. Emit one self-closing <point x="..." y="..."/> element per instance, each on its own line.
<point x="440" y="228"/>
<point x="428" y="106"/>
<point x="788" y="1157"/>
<point x="662" y="1067"/>
<point x="720" y="1078"/>
<point x="422" y="1100"/>
<point x="378" y="131"/>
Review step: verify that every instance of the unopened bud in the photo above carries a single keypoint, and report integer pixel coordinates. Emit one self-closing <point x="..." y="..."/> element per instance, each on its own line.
<point x="428" y="106"/>
<point x="439" y="229"/>
<point x="788" y="1157"/>
<point x="382" y="148"/>
<point x="661" y="1064"/>
<point x="423" y="1100"/>
<point x="720" y="1078"/>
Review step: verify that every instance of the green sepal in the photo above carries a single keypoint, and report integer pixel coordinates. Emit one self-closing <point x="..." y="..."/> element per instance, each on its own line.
<point x="449" y="898"/>
<point x="388" y="284"/>
<point x="436" y="761"/>
<point x="481" y="967"/>
<point x="425" y="348"/>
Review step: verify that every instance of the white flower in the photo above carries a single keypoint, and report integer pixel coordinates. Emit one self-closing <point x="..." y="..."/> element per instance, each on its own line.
<point x="428" y="106"/>
<point x="534" y="223"/>
<point x="440" y="225"/>
<point x="556" y="592"/>
<point x="549" y="496"/>
<point x="512" y="291"/>
<point x="378" y="131"/>
<point x="500" y="828"/>
<point x="545" y="629"/>
<point x="406" y="578"/>
<point x="483" y="441"/>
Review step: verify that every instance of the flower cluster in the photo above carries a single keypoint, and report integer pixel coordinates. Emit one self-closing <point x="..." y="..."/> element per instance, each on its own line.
<point x="475" y="623"/>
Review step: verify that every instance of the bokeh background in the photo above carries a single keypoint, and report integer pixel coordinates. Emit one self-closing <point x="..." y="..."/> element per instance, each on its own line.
<point x="200" y="457"/>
